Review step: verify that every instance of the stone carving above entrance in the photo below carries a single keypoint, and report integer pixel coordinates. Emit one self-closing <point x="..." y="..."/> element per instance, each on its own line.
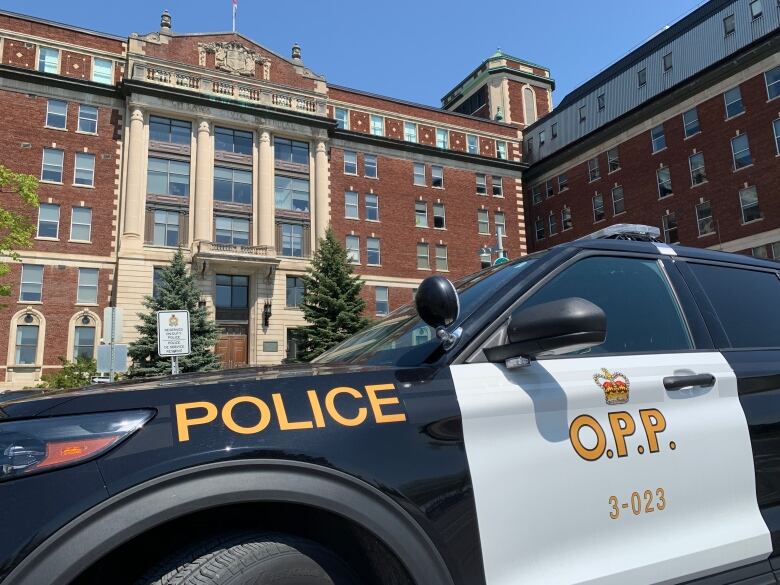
<point x="234" y="57"/>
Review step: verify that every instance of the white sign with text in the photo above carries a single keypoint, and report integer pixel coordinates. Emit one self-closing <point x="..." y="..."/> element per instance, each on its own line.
<point x="173" y="333"/>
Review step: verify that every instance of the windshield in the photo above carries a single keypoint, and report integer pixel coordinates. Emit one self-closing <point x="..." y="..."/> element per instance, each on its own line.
<point x="403" y="339"/>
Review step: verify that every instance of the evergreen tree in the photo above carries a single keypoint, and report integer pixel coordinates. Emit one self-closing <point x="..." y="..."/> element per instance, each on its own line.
<point x="332" y="303"/>
<point x="177" y="291"/>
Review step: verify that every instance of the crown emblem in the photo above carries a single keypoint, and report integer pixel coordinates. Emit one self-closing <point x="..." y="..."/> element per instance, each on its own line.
<point x="174" y="321"/>
<point x="615" y="386"/>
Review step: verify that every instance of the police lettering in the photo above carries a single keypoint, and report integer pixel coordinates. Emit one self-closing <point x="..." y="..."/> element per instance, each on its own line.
<point x="374" y="404"/>
<point x="622" y="425"/>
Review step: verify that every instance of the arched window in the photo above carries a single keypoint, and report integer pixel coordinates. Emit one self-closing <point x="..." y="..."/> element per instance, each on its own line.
<point x="529" y="105"/>
<point x="28" y="329"/>
<point x="83" y="335"/>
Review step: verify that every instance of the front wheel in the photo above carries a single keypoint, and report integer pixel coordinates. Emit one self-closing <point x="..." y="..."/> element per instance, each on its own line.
<point x="252" y="559"/>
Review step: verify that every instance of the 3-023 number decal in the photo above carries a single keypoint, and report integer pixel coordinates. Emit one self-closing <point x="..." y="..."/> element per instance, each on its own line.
<point x="639" y="503"/>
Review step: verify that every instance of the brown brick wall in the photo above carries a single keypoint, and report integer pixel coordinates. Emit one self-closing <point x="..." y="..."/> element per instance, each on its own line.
<point x="19" y="54"/>
<point x="75" y="65"/>
<point x="61" y="34"/>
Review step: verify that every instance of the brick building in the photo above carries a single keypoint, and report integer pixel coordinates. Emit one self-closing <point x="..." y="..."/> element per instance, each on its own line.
<point x="682" y="133"/>
<point x="243" y="157"/>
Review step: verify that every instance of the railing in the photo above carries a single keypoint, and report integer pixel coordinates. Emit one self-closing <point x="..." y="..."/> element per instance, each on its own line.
<point x="259" y="93"/>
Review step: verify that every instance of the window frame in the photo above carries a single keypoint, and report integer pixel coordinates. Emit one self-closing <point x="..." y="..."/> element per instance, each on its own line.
<point x="76" y="338"/>
<point x="485" y="222"/>
<point x="439" y="206"/>
<point x="234" y="173"/>
<point x="372" y="127"/>
<point x="753" y="14"/>
<point x="441" y="259"/>
<point x="374" y="206"/>
<point x="434" y="178"/>
<point x="233" y="231"/>
<point x="89" y="120"/>
<point x="666" y="229"/>
<point x="734" y="153"/>
<point x="776" y="130"/>
<point x="656" y="138"/>
<point x="727" y="103"/>
<point x="552" y="221"/>
<point x="296" y="234"/>
<point x="688" y="123"/>
<point x="353" y="253"/>
<point x="641" y="77"/>
<point x="341" y="122"/>
<point x="234" y="133"/>
<point x="702" y="169"/>
<point x="80" y="287"/>
<point x="700" y="219"/>
<point x="502" y="152"/>
<point x="742" y="207"/>
<point x="660" y="183"/>
<point x="45" y="61"/>
<point x="499" y="224"/>
<point x="294" y="193"/>
<point x="426" y="265"/>
<point x="171" y="123"/>
<point x="421" y="214"/>
<point x="348" y="205"/>
<point x="539" y="229"/>
<point x="38" y="283"/>
<point x="667" y="62"/>
<point x="729" y="25"/>
<point x="566" y="218"/>
<point x="349" y="155"/>
<point x="595" y="208"/>
<point x="44" y="164"/>
<point x="613" y="158"/>
<point x="17" y="345"/>
<point x="774" y="84"/>
<point x="410" y="136"/>
<point x="469" y="139"/>
<point x="497" y="184"/>
<point x="166" y="227"/>
<point x="298" y="292"/>
<point x="74" y="223"/>
<point x="416" y="175"/>
<point x="49" y="103"/>
<point x="622" y="200"/>
<point x="84" y="156"/>
<point x="168" y="174"/>
<point x="370" y="165"/>
<point x="385" y="301"/>
<point x="376" y="249"/>
<point x="445" y="142"/>
<point x="594" y="172"/>
<point x="565" y="182"/>
<point x="296" y="148"/>
<point x="56" y="223"/>
<point x="481" y="189"/>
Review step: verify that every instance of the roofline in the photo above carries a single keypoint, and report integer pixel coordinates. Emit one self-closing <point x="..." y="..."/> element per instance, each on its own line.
<point x="423" y="106"/>
<point x="466" y="86"/>
<point x="62" y="25"/>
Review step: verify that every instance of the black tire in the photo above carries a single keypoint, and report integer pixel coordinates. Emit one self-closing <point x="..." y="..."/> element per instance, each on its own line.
<point x="252" y="559"/>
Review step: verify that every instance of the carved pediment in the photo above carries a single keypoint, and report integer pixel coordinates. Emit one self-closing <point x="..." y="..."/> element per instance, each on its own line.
<point x="235" y="58"/>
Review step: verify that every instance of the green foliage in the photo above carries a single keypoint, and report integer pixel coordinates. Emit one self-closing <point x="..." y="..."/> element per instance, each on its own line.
<point x="16" y="229"/>
<point x="177" y="291"/>
<point x="332" y="303"/>
<point x="74" y="374"/>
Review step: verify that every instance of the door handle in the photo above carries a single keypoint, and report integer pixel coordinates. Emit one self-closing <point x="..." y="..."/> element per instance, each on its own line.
<point x="695" y="380"/>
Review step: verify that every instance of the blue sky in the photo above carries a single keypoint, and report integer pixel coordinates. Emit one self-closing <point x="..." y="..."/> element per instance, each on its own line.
<point x="414" y="50"/>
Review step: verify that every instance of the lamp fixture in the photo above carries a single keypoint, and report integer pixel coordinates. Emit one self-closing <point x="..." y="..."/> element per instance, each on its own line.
<point x="266" y="314"/>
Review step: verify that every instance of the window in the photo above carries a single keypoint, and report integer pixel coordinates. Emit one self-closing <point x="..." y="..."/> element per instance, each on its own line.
<point x="351" y="207"/>
<point x="501" y="149"/>
<point x="157" y="282"/>
<point x="291" y="194"/>
<point x="372" y="207"/>
<point x="235" y="141"/>
<point x="353" y="249"/>
<point x="582" y="113"/>
<point x="499" y="219"/>
<point x="598" y="207"/>
<point x="776" y="127"/>
<point x="168" y="130"/>
<point x="438" y="216"/>
<point x="235" y="186"/>
<point x="88" y="286"/>
<point x="530" y="143"/>
<point x="729" y="25"/>
<point x="704" y="218"/>
<point x="472" y="144"/>
<point x="755" y="321"/>
<point x="373" y="254"/>
<point x="481" y="184"/>
<point x="529" y="106"/>
<point x="664" y="178"/>
<point x="84" y="342"/>
<point x="419" y="174"/>
<point x="593" y="169"/>
<point x="437" y="176"/>
<point x="548" y="189"/>
<point x="48" y="60"/>
<point x="613" y="160"/>
<point x="169" y="177"/>
<point x="740" y="151"/>
<point x="232" y="291"/>
<point x="381" y="300"/>
<point x="295" y="291"/>
<point x="26" y="344"/>
<point x="232" y="230"/>
<point x="733" y="99"/>
<point x="658" y="138"/>
<point x="670" y="228"/>
<point x="350" y="162"/>
<point x="601" y="101"/>
<point x="56" y="114"/>
<point x="294" y="341"/>
<point x="553" y="221"/>
<point x="103" y="71"/>
<point x="48" y="220"/>
<point x="772" y="79"/>
<point x="84" y="172"/>
<point x="166" y="228"/>
<point x="441" y="257"/>
<point x="542" y="137"/>
<point x="563" y="182"/>
<point x="32" y="283"/>
<point x="554" y="130"/>
<point x="483" y="221"/>
<point x="658" y="327"/>
<point x="292" y="239"/>
<point x="442" y="138"/>
<point x="536" y="194"/>
<point x="81" y="224"/>
<point x="756" y="9"/>
<point x="410" y="131"/>
<point x="342" y="118"/>
<point x="88" y="116"/>
<point x="369" y="164"/>
<point x="423" y="260"/>
<point x="377" y="125"/>
<point x="52" y="165"/>
<point x="291" y="151"/>
<point x="748" y="201"/>
<point x="421" y="214"/>
<point x="667" y="62"/>
<point x="498" y="186"/>
<point x="566" y="218"/>
<point x="618" y="205"/>
<point x="641" y="77"/>
<point x="691" y="122"/>
<point x="696" y="164"/>
<point x="539" y="228"/>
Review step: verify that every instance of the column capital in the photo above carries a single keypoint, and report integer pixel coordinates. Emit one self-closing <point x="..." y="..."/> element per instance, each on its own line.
<point x="265" y="136"/>
<point x="322" y="146"/>
<point x="136" y="114"/>
<point x="204" y="125"/>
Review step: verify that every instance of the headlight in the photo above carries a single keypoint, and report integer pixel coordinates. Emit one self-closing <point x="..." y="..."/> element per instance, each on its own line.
<point x="29" y="446"/>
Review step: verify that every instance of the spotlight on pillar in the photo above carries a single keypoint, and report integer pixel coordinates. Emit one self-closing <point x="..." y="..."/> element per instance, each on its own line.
<point x="266" y="314"/>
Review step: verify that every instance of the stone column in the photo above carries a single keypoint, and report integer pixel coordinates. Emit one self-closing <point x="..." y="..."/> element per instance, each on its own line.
<point x="135" y="198"/>
<point x="266" y="224"/>
<point x="204" y="186"/>
<point x="321" y="195"/>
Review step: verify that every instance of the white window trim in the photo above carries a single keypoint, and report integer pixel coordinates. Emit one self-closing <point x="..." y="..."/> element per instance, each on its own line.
<point x="38" y="235"/>
<point x="97" y="120"/>
<point x="38" y="59"/>
<point x="91" y="185"/>
<point x="417" y="214"/>
<point x="378" y="251"/>
<point x="62" y="166"/>
<point x="356" y="162"/>
<point x="22" y="281"/>
<point x="703" y="166"/>
<point x="375" y="166"/>
<point x="563" y="220"/>
<point x="11" y="356"/>
<point x="610" y="170"/>
<point x="766" y="84"/>
<point x="685" y="124"/>
<point x="446" y="138"/>
<point x="742" y="207"/>
<point x="486" y="222"/>
<point x="96" y="287"/>
<point x="365" y="202"/>
<point x="72" y="223"/>
<point x="658" y="182"/>
<point x="356" y="206"/>
<point x="476" y="139"/>
<point x="653" y="139"/>
<point x="443" y="216"/>
<point x="698" y="219"/>
<point x="445" y="257"/>
<point x="442" y="176"/>
<point x="727" y="103"/>
<point x="356" y="258"/>
<point x="593" y="206"/>
<point x="346" y="118"/>
<point x="776" y="132"/>
<point x="416" y="130"/>
<point x="381" y="126"/>
<point x="111" y="73"/>
<point x="415" y="166"/>
<point x="427" y="255"/>
<point x="734" y="154"/>
<point x="46" y="122"/>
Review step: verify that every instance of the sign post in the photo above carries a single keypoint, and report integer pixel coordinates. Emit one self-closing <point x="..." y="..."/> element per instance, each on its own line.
<point x="112" y="321"/>
<point x="173" y="336"/>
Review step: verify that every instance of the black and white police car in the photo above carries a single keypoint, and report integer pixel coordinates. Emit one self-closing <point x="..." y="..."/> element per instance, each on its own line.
<point x="604" y="412"/>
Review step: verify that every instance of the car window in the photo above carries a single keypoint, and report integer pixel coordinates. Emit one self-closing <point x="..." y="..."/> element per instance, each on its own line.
<point x="642" y="313"/>
<point x="746" y="301"/>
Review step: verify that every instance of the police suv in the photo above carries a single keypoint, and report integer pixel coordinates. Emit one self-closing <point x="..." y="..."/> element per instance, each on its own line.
<point x="604" y="412"/>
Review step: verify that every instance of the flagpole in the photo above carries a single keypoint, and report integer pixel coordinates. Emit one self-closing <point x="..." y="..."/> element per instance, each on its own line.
<point x="235" y="5"/>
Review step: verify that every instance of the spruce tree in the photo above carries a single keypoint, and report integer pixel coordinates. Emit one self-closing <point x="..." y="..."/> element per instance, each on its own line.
<point x="177" y="291"/>
<point x="331" y="303"/>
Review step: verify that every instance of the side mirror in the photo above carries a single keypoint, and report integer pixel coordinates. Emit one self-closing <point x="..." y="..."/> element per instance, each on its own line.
<point x="556" y="327"/>
<point x="437" y="302"/>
